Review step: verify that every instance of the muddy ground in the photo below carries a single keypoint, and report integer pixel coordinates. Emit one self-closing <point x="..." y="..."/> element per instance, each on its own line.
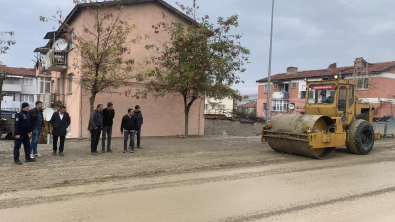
<point x="79" y="174"/>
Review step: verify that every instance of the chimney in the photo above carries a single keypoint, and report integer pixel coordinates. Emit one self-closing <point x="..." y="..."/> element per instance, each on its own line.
<point x="333" y="66"/>
<point x="359" y="63"/>
<point x="292" y="70"/>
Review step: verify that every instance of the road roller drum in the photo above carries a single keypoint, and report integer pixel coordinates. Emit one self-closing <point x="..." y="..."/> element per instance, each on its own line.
<point x="288" y="136"/>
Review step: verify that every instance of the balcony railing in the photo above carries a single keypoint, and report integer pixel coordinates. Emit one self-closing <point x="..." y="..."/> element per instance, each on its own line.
<point x="12" y="87"/>
<point x="280" y="95"/>
<point x="56" y="60"/>
<point x="212" y="100"/>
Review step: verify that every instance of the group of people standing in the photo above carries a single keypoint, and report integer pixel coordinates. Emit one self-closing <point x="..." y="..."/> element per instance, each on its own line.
<point x="101" y="121"/>
<point x="31" y="123"/>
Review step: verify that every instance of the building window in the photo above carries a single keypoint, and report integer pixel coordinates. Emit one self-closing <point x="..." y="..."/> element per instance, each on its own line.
<point x="70" y="80"/>
<point x="11" y="94"/>
<point x="221" y="107"/>
<point x="293" y="85"/>
<point x="264" y="106"/>
<point x="27" y="82"/>
<point x="205" y="106"/>
<point x="27" y="98"/>
<point x="342" y="98"/>
<point x="284" y="87"/>
<point x="44" y="85"/>
<point x="303" y="94"/>
<point x="11" y="81"/>
<point x="264" y="88"/>
<point x="275" y="86"/>
<point x="363" y="84"/>
<point x="351" y="96"/>
<point x="280" y="105"/>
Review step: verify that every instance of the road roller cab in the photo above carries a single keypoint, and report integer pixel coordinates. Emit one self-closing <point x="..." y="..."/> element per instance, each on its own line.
<point x="332" y="118"/>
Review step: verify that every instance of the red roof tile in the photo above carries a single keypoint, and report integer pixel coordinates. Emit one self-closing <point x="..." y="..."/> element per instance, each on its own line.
<point x="21" y="71"/>
<point x="249" y="105"/>
<point x="373" y="67"/>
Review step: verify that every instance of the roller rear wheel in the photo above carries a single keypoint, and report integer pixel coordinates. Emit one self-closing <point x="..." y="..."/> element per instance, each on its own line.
<point x="361" y="137"/>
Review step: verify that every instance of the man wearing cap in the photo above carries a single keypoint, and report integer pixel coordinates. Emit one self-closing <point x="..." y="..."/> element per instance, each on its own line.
<point x="108" y="116"/>
<point x="139" y="117"/>
<point x="22" y="129"/>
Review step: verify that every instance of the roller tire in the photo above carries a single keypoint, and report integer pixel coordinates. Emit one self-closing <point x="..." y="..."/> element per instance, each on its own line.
<point x="361" y="137"/>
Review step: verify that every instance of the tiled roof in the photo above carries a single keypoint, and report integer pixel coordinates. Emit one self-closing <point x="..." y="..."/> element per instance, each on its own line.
<point x="21" y="71"/>
<point x="249" y="105"/>
<point x="373" y="67"/>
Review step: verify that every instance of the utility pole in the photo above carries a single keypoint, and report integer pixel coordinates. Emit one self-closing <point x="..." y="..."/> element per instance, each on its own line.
<point x="270" y="69"/>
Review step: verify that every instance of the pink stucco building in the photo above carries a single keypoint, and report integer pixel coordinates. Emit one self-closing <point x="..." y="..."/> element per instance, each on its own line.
<point x="162" y="117"/>
<point x="375" y="85"/>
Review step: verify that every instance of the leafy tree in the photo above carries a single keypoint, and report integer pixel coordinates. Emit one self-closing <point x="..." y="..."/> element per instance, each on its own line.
<point x="199" y="59"/>
<point x="5" y="42"/>
<point x="102" y="47"/>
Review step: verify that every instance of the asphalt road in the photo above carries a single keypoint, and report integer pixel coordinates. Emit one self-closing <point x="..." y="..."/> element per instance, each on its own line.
<point x="345" y="188"/>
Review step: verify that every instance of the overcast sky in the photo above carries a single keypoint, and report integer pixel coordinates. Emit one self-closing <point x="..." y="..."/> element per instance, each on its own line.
<point x="307" y="34"/>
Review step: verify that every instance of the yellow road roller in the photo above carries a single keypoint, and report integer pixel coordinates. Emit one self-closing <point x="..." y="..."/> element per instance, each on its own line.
<point x="333" y="118"/>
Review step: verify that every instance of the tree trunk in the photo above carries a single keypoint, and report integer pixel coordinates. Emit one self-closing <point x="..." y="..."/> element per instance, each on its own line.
<point x="2" y="77"/>
<point x="92" y="101"/>
<point x="186" y="112"/>
<point x="186" y="121"/>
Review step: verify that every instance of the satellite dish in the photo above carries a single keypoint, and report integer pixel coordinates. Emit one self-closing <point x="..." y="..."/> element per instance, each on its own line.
<point x="291" y="106"/>
<point x="61" y="44"/>
<point x="47" y="114"/>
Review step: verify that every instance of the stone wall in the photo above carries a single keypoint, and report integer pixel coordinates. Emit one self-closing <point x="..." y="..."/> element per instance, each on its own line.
<point x="234" y="128"/>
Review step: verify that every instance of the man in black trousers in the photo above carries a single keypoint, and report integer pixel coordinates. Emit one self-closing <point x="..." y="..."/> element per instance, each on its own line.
<point x="95" y="126"/>
<point x="108" y="116"/>
<point x="139" y="117"/>
<point x="128" y="128"/>
<point x="60" y="121"/>
<point x="22" y="128"/>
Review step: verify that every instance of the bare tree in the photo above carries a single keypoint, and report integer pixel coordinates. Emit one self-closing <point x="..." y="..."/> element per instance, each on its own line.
<point x="5" y="43"/>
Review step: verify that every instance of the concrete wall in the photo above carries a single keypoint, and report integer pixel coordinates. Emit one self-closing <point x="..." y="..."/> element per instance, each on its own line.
<point x="229" y="127"/>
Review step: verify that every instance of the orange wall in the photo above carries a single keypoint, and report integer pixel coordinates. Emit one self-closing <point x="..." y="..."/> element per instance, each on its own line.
<point x="379" y="87"/>
<point x="163" y="116"/>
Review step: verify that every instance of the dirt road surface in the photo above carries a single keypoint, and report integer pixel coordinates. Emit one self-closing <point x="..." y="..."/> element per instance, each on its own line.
<point x="198" y="179"/>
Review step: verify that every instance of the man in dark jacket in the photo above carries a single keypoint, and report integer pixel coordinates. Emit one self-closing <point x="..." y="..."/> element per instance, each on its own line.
<point x="128" y="127"/>
<point x="95" y="126"/>
<point x="60" y="121"/>
<point x="139" y="117"/>
<point x="22" y="129"/>
<point x="37" y="124"/>
<point x="108" y="116"/>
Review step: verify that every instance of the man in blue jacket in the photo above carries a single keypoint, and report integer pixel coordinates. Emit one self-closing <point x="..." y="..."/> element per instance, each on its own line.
<point x="22" y="129"/>
<point x="139" y="117"/>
